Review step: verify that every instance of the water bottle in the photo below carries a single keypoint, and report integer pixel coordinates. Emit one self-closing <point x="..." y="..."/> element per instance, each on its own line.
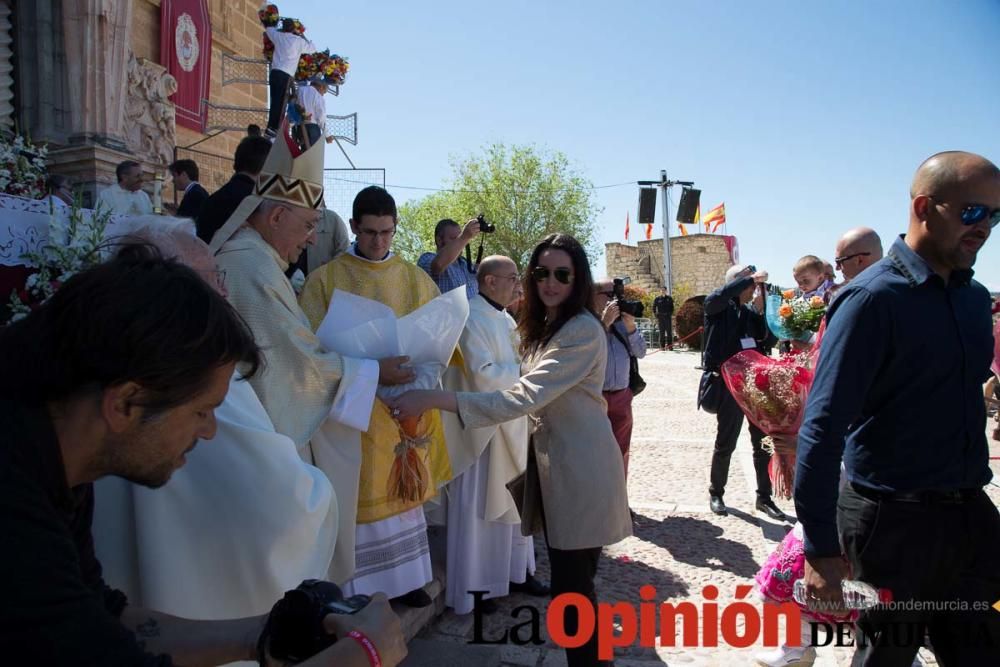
<point x="857" y="594"/>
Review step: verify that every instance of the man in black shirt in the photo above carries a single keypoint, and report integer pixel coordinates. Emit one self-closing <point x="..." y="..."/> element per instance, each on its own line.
<point x="247" y="163"/>
<point x="102" y="380"/>
<point x="733" y="325"/>
<point x="663" y="308"/>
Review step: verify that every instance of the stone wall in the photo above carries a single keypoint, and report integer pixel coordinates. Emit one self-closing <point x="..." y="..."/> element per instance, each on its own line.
<point x="236" y="31"/>
<point x="699" y="263"/>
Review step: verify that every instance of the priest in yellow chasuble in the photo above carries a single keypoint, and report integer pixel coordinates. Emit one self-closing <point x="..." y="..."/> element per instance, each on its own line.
<point x="391" y="538"/>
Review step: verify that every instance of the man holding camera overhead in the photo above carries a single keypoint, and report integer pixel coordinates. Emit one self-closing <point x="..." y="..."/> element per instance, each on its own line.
<point x="624" y="340"/>
<point x="447" y="267"/>
<point x="734" y="324"/>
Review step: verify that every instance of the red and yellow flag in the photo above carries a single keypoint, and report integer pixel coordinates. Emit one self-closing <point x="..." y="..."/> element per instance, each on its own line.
<point x="715" y="218"/>
<point x="697" y="218"/>
<point x="684" y="231"/>
<point x="626" y="225"/>
<point x="649" y="231"/>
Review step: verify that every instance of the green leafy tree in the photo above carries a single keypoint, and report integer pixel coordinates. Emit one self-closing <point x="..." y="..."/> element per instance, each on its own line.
<point x="527" y="193"/>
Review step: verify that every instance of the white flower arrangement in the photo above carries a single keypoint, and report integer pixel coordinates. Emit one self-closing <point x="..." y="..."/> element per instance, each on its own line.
<point x="22" y="167"/>
<point x="76" y="241"/>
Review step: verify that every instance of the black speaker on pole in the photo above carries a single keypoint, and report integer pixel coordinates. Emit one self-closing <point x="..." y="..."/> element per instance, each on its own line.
<point x="688" y="206"/>
<point x="647" y="205"/>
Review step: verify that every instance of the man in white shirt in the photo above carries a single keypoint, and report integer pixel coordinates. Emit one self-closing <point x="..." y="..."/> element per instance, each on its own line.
<point x="313" y="103"/>
<point x="126" y="197"/>
<point x="288" y="48"/>
<point x="60" y="191"/>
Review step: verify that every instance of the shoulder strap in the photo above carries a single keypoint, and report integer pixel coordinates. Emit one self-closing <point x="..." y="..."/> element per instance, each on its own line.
<point x="624" y="341"/>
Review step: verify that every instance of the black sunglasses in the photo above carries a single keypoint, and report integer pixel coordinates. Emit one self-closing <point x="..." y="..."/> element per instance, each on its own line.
<point x="563" y="275"/>
<point x="837" y="261"/>
<point x="973" y="214"/>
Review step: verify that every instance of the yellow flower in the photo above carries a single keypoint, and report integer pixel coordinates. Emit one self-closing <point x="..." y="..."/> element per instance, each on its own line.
<point x="788" y="294"/>
<point x="785" y="310"/>
<point x="816" y="302"/>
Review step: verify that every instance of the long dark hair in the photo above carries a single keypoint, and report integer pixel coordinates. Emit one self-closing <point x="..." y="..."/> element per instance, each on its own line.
<point x="137" y="317"/>
<point x="535" y="329"/>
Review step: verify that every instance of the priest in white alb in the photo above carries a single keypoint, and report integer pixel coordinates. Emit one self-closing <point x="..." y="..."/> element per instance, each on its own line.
<point x="486" y="551"/>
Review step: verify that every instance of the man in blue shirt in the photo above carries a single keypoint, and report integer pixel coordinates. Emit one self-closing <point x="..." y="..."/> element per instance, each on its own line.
<point x="898" y="394"/>
<point x="447" y="267"/>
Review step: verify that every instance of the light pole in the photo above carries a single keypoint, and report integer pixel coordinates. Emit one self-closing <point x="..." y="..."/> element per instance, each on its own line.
<point x="664" y="184"/>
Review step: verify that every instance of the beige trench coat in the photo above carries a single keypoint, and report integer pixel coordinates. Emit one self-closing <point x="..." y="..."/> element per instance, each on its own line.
<point x="580" y="467"/>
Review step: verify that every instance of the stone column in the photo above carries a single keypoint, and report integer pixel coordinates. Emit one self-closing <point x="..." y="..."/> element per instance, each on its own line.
<point x="96" y="42"/>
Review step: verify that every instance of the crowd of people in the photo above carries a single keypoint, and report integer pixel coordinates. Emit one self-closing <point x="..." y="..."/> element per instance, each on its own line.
<point x="133" y="548"/>
<point x="892" y="455"/>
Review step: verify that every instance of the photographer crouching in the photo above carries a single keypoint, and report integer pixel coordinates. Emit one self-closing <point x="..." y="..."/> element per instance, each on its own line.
<point x="624" y="341"/>
<point x="108" y="381"/>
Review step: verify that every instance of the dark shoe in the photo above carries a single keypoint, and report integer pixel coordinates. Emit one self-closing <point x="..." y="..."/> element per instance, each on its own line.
<point x="769" y="508"/>
<point x="531" y="586"/>
<point x="418" y="598"/>
<point x="718" y="506"/>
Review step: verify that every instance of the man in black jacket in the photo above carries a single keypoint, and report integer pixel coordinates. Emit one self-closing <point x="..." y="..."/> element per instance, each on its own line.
<point x="732" y="325"/>
<point x="663" y="309"/>
<point x="185" y="173"/>
<point x="247" y="163"/>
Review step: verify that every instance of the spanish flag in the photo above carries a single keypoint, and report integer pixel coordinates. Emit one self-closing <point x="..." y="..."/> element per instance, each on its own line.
<point x="626" y="225"/>
<point x="715" y="218"/>
<point x="649" y="231"/>
<point x="697" y="218"/>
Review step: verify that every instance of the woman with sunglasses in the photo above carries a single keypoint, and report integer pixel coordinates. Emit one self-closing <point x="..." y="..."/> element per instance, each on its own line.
<point x="574" y="460"/>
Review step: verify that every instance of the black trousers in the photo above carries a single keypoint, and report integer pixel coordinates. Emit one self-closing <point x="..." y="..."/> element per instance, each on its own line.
<point x="278" y="82"/>
<point x="573" y="572"/>
<point x="730" y="420"/>
<point x="931" y="552"/>
<point x="666" y="326"/>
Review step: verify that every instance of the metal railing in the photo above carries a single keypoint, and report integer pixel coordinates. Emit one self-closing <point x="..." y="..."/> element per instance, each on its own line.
<point x="341" y="186"/>
<point x="243" y="69"/>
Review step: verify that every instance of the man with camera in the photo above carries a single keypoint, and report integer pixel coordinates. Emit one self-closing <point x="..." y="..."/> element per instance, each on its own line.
<point x="733" y="324"/>
<point x="624" y="341"/>
<point x="106" y="382"/>
<point x="447" y="267"/>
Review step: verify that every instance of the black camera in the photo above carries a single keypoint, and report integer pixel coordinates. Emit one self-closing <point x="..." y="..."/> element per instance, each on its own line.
<point x="633" y="308"/>
<point x="295" y="629"/>
<point x="485" y="227"/>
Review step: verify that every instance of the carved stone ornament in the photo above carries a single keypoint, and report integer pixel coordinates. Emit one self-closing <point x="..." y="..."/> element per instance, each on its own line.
<point x="150" y="125"/>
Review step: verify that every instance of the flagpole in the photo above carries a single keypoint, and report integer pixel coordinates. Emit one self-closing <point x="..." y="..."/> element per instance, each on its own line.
<point x="667" y="278"/>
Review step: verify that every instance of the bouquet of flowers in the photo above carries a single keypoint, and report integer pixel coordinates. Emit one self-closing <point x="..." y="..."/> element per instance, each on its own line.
<point x="334" y="69"/>
<point x="22" y="168"/>
<point x="308" y="66"/>
<point x="793" y="317"/>
<point x="268" y="15"/>
<point x="772" y="393"/>
<point x="75" y="243"/>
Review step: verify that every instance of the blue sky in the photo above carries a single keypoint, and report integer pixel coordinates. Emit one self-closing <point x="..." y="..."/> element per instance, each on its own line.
<point x="805" y="118"/>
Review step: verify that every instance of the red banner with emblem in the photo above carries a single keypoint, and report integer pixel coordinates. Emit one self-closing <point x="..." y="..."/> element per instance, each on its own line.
<point x="186" y="52"/>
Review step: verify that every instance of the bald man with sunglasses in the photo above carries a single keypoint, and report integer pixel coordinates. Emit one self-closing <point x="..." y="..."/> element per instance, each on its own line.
<point x="856" y="250"/>
<point x="898" y="395"/>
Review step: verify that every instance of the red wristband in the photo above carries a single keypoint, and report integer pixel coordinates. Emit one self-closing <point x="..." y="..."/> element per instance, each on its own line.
<point x="368" y="646"/>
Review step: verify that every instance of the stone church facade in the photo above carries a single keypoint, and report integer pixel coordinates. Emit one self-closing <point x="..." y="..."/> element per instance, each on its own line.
<point x="85" y="77"/>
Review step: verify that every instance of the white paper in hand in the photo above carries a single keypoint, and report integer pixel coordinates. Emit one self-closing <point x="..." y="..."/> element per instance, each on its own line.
<point x="358" y="327"/>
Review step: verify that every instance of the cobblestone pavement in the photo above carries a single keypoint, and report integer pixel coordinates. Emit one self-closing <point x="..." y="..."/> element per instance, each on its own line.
<point x="679" y="546"/>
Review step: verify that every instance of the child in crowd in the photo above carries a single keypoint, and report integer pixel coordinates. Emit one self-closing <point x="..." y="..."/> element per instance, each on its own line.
<point x="811" y="276"/>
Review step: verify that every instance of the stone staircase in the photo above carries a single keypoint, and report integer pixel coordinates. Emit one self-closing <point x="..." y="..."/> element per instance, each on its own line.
<point x="642" y="275"/>
<point x="437" y="652"/>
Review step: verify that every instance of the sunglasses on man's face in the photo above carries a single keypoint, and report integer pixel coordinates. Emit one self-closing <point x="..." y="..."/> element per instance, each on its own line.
<point x="563" y="275"/>
<point x="973" y="214"/>
<point x="838" y="262"/>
